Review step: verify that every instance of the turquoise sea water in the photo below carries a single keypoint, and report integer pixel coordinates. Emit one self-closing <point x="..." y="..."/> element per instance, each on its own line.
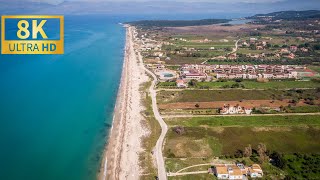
<point x="56" y="110"/>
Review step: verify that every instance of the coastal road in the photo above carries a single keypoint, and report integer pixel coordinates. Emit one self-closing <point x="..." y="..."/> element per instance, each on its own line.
<point x="162" y="175"/>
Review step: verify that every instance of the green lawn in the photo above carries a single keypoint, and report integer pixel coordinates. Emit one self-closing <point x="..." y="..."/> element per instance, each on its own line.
<point x="246" y="121"/>
<point x="260" y="85"/>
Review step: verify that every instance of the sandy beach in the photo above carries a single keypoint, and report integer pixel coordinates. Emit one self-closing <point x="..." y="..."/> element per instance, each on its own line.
<point x="121" y="156"/>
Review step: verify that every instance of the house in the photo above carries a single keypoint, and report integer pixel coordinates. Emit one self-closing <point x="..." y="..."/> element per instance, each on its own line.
<point x="221" y="172"/>
<point x="232" y="56"/>
<point x="221" y="76"/>
<point x="267" y="75"/>
<point x="259" y="47"/>
<point x="291" y="56"/>
<point x="293" y="48"/>
<point x="255" y="171"/>
<point x="262" y="68"/>
<point x="252" y="76"/>
<point x="252" y="40"/>
<point x="278" y="69"/>
<point x="229" y="109"/>
<point x="304" y="49"/>
<point x="196" y="76"/>
<point x="284" y="50"/>
<point x="236" y="171"/>
<point x="181" y="83"/>
<point x="250" y="69"/>
<point x="229" y="172"/>
<point x="245" y="44"/>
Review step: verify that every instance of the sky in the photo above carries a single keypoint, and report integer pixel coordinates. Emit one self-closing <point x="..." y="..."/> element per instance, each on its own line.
<point x="243" y="8"/>
<point x="213" y="1"/>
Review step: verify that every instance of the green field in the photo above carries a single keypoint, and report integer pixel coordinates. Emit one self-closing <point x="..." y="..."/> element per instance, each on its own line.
<point x="210" y="142"/>
<point x="232" y="95"/>
<point x="315" y="68"/>
<point x="261" y="85"/>
<point x="246" y="121"/>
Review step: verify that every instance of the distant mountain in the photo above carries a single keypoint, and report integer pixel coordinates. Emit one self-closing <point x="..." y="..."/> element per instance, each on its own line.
<point x="12" y="7"/>
<point x="177" y="23"/>
<point x="291" y="14"/>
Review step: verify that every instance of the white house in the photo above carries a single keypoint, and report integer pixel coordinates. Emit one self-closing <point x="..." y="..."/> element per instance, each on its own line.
<point x="181" y="83"/>
<point x="255" y="171"/>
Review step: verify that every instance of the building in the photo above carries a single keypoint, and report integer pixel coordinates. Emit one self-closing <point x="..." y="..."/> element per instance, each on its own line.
<point x="230" y="109"/>
<point x="237" y="171"/>
<point x="181" y="83"/>
<point x="221" y="172"/>
<point x="196" y="76"/>
<point x="231" y="171"/>
<point x="255" y="171"/>
<point x="293" y="48"/>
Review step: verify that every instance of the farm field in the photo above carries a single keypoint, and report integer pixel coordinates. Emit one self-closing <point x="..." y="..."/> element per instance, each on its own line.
<point x="262" y="85"/>
<point x="245" y="121"/>
<point x="209" y="137"/>
<point x="210" y="142"/>
<point x="231" y="95"/>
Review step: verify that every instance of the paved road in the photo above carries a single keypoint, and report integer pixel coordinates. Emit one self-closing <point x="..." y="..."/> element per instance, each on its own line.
<point x="162" y="175"/>
<point x="237" y="115"/>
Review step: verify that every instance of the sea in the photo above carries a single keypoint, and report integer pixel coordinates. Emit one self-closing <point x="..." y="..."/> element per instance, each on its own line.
<point x="56" y="110"/>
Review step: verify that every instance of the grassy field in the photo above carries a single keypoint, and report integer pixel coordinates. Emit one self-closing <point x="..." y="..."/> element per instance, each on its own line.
<point x="176" y="164"/>
<point x="261" y="85"/>
<point x="148" y="142"/>
<point x="194" y="176"/>
<point x="303" y="109"/>
<point x="208" y="142"/>
<point x="230" y="95"/>
<point x="315" y="68"/>
<point x="245" y="121"/>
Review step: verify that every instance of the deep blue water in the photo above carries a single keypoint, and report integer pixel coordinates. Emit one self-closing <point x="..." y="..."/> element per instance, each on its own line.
<point x="56" y="110"/>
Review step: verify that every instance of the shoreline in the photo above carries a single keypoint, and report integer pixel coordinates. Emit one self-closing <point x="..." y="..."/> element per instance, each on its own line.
<point x="121" y="153"/>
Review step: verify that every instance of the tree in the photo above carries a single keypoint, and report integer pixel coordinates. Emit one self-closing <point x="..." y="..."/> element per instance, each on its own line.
<point x="193" y="82"/>
<point x="247" y="151"/>
<point x="262" y="149"/>
<point x="278" y="160"/>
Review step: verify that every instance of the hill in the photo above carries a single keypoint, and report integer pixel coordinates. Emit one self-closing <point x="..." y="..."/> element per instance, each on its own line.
<point x="289" y="15"/>
<point x="177" y="23"/>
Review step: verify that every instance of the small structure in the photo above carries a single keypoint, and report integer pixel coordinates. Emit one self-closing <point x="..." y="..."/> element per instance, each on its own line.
<point x="255" y="171"/>
<point x="181" y="83"/>
<point x="229" y="109"/>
